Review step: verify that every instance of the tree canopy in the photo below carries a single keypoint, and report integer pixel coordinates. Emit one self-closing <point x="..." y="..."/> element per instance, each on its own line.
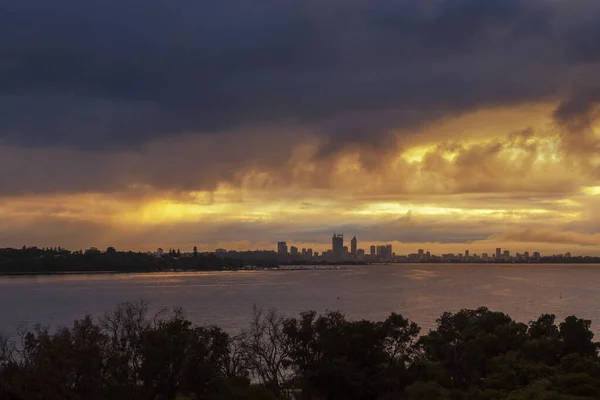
<point x="470" y="355"/>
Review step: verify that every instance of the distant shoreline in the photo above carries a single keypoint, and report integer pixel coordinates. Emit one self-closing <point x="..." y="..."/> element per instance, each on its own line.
<point x="35" y="273"/>
<point x="284" y="268"/>
<point x="33" y="261"/>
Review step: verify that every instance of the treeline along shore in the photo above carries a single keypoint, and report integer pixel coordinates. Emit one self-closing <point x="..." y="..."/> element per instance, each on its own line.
<point x="34" y="260"/>
<point x="471" y="355"/>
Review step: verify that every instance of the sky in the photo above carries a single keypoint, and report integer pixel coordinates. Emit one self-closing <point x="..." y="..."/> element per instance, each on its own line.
<point x="438" y="124"/>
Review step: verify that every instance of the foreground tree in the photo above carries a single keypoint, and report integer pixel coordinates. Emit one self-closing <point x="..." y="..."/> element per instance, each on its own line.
<point x="471" y="355"/>
<point x="337" y="358"/>
<point x="265" y="350"/>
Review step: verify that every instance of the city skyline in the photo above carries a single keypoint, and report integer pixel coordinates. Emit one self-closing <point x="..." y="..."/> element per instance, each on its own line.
<point x="285" y="247"/>
<point x="422" y="124"/>
<point x="382" y="253"/>
<point x="385" y="254"/>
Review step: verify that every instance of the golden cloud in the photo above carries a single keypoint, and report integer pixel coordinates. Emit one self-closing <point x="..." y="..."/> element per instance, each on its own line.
<point x="512" y="172"/>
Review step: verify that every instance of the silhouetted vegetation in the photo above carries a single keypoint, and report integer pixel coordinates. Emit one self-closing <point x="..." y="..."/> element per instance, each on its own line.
<point x="33" y="260"/>
<point x="471" y="355"/>
<point x="36" y="260"/>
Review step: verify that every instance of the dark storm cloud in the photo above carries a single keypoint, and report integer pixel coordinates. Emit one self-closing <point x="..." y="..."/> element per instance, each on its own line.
<point x="190" y="163"/>
<point x="117" y="74"/>
<point x="578" y="110"/>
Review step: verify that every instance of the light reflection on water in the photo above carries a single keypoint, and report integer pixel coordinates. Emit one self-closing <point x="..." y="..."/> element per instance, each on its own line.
<point x="420" y="292"/>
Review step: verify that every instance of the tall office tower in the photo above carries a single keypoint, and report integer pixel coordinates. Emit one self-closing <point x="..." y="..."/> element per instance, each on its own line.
<point x="353" y="246"/>
<point x="498" y="253"/>
<point x="373" y="250"/>
<point x="337" y="245"/>
<point x="293" y="251"/>
<point x="466" y="253"/>
<point x="309" y="253"/>
<point x="388" y="250"/>
<point x="282" y="248"/>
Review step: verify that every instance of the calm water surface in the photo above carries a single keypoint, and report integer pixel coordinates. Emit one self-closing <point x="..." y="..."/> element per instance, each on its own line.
<point x="419" y="291"/>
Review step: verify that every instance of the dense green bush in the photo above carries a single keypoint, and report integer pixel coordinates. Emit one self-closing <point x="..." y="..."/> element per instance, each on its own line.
<point x="471" y="355"/>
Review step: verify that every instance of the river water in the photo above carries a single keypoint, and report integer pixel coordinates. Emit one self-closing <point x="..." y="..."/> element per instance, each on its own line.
<point x="420" y="292"/>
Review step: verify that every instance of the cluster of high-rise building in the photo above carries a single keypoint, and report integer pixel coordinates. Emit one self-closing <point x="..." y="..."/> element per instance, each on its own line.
<point x="307" y="254"/>
<point x="339" y="252"/>
<point x="384" y="253"/>
<point x="376" y="254"/>
<point x="502" y="256"/>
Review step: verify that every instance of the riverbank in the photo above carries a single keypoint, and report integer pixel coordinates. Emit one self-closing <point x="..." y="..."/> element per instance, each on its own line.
<point x="310" y="267"/>
<point x="250" y="268"/>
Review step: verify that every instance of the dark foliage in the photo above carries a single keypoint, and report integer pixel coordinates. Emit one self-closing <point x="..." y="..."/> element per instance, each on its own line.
<point x="39" y="261"/>
<point x="471" y="355"/>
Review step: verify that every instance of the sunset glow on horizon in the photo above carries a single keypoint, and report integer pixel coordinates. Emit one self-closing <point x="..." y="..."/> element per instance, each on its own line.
<point x="487" y="185"/>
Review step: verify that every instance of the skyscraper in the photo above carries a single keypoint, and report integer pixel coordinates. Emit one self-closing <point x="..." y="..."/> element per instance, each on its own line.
<point x="337" y="245"/>
<point x="373" y="250"/>
<point x="498" y="253"/>
<point x="353" y="246"/>
<point x="294" y="251"/>
<point x="282" y="248"/>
